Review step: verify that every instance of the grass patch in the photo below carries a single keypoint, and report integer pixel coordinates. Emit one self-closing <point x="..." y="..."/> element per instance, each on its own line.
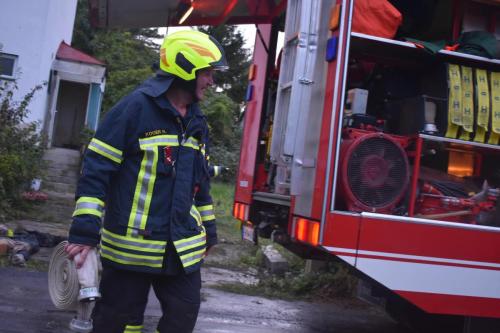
<point x="228" y="228"/>
<point x="333" y="282"/>
<point x="32" y="264"/>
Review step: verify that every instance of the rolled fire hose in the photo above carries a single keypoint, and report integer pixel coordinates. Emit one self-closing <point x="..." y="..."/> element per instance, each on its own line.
<point x="74" y="289"/>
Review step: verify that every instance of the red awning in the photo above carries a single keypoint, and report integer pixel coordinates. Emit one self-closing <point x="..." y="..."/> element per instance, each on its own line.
<point x="162" y="13"/>
<point x="66" y="52"/>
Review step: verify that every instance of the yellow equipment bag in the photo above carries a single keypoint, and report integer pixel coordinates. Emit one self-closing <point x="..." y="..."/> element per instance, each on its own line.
<point x="495" y="108"/>
<point x="483" y="105"/>
<point x="454" y="101"/>
<point x="467" y="103"/>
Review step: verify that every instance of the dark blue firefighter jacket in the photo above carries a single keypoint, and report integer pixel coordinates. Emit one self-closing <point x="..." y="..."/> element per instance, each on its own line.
<point x="147" y="167"/>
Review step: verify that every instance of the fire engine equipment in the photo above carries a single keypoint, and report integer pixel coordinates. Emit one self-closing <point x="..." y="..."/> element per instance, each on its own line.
<point x="435" y="205"/>
<point x="495" y="108"/>
<point x="483" y="105"/>
<point x="467" y="103"/>
<point x="376" y="17"/>
<point x="74" y="289"/>
<point x="356" y="101"/>
<point x="375" y="173"/>
<point x="454" y="101"/>
<point x="421" y="114"/>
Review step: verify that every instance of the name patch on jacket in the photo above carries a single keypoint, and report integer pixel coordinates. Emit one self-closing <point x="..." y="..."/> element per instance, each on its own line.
<point x="155" y="132"/>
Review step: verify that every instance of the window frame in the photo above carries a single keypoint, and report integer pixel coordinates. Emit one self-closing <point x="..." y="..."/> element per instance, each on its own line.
<point x="14" y="66"/>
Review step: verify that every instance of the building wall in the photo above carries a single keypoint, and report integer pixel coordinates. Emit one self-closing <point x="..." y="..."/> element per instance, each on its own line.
<point x="33" y="30"/>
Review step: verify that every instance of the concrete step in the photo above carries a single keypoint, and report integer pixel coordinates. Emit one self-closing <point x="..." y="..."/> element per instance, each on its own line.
<point x="273" y="260"/>
<point x="64" y="171"/>
<point x="66" y="198"/>
<point x="70" y="180"/>
<point x="62" y="156"/>
<point x="58" y="187"/>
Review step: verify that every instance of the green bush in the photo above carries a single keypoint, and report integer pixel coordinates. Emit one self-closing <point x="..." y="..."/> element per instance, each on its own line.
<point x="21" y="147"/>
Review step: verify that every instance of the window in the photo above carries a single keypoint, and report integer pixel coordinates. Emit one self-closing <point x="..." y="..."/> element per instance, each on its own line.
<point x="8" y="64"/>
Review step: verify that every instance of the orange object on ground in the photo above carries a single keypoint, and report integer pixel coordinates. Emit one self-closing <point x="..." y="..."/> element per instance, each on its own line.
<point x="376" y="18"/>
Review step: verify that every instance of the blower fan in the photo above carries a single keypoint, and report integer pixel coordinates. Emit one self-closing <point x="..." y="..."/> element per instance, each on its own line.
<point x="374" y="173"/>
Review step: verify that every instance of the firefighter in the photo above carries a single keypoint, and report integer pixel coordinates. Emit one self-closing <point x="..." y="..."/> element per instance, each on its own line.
<point x="148" y="164"/>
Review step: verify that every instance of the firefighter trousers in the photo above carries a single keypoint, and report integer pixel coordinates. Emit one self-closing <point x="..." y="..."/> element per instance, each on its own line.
<point x="125" y="295"/>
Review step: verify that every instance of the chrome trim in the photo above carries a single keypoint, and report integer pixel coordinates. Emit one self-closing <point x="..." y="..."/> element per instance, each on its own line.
<point x="339" y="128"/>
<point x="458" y="142"/>
<point x="341" y="212"/>
<point x="383" y="40"/>
<point x="395" y="218"/>
<point x="332" y="121"/>
<point x="274" y="198"/>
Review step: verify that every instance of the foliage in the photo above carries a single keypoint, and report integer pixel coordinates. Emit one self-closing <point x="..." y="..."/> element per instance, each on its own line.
<point x="21" y="146"/>
<point x="86" y="134"/>
<point x="121" y="82"/>
<point x="224" y="135"/>
<point x="227" y="225"/>
<point x="234" y="80"/>
<point x="333" y="282"/>
<point x="129" y="54"/>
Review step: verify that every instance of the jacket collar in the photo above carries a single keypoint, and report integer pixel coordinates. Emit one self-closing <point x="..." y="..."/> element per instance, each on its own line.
<point x="157" y="86"/>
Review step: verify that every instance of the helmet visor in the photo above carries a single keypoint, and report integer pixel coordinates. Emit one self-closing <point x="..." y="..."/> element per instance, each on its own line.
<point x="221" y="64"/>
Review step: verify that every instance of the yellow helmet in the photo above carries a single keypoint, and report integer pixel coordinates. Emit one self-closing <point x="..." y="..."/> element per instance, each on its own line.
<point x="185" y="52"/>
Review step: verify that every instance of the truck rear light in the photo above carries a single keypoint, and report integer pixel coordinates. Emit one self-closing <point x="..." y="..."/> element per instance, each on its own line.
<point x="240" y="211"/>
<point x="251" y="72"/>
<point x="307" y="231"/>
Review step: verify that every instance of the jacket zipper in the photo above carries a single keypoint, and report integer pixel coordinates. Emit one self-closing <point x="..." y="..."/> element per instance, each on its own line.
<point x="183" y="140"/>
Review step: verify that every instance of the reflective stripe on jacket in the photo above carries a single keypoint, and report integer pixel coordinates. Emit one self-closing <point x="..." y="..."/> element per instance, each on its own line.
<point x="147" y="167"/>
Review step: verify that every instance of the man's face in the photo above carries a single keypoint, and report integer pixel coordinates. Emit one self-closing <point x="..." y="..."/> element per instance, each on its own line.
<point x="204" y="79"/>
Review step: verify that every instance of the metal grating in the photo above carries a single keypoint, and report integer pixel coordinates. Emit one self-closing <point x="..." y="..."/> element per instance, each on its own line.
<point x="377" y="172"/>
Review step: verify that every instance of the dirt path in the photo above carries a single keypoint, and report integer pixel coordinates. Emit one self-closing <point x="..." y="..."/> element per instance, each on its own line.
<point x="26" y="308"/>
<point x="25" y="305"/>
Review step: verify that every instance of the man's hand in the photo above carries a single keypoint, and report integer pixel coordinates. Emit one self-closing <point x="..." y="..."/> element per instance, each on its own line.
<point x="208" y="250"/>
<point x="74" y="249"/>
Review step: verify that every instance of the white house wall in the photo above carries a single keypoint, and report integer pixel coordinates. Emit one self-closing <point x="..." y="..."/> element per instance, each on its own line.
<point x="33" y="30"/>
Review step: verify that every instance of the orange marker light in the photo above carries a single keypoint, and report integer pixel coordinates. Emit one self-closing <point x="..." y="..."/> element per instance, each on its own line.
<point x="251" y="72"/>
<point x="307" y="231"/>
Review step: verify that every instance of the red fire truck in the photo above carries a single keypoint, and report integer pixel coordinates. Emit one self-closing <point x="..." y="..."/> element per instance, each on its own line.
<point x="374" y="147"/>
<point x="354" y="147"/>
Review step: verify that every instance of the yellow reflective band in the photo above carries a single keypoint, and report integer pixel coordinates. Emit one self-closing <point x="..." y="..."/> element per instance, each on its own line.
<point x="206" y="212"/>
<point x="217" y="170"/>
<point x="105" y="150"/>
<point x="205" y="208"/>
<point x="134" y="243"/>
<point x="10" y="233"/>
<point x="192" y="258"/>
<point x="130" y="259"/>
<point x="143" y="191"/>
<point x="191" y="143"/>
<point x="192" y="242"/>
<point x="159" y="140"/>
<point x="91" y="200"/>
<point x="89" y="205"/>
<point x="192" y="245"/>
<point x="208" y="218"/>
<point x="196" y="215"/>
<point x="87" y="211"/>
<point x="133" y="329"/>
